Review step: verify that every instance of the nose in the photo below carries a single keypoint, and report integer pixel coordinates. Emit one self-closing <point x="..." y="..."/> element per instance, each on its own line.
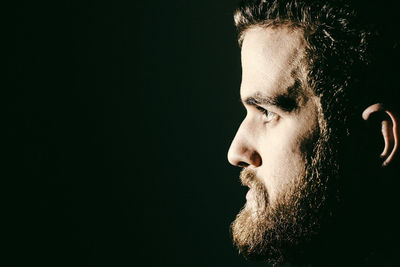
<point x="242" y="152"/>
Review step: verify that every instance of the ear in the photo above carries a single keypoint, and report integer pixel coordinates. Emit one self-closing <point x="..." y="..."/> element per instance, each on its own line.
<point x="388" y="122"/>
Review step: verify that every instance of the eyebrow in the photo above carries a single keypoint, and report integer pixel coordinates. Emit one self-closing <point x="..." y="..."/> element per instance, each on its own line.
<point x="284" y="102"/>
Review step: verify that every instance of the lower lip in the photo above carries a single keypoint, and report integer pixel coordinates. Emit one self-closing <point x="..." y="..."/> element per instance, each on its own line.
<point x="250" y="194"/>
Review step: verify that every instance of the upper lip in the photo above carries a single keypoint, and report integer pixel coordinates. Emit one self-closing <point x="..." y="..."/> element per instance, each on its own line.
<point x="244" y="183"/>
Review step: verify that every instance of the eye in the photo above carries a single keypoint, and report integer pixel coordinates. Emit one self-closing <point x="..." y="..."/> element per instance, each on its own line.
<point x="269" y="115"/>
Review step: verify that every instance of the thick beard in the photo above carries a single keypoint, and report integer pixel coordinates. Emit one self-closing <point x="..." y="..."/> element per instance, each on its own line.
<point x="283" y="231"/>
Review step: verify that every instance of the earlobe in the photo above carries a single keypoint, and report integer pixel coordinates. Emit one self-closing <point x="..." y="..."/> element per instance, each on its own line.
<point x="389" y="129"/>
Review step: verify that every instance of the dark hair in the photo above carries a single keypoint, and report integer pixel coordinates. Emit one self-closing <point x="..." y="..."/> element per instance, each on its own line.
<point x="351" y="57"/>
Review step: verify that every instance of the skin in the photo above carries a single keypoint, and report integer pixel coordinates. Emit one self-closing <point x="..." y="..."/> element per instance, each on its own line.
<point x="272" y="140"/>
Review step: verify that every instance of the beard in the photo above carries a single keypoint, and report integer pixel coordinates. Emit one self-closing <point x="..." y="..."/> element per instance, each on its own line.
<point x="284" y="230"/>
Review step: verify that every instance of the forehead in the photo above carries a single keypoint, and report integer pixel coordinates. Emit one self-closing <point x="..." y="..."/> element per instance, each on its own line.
<point x="271" y="59"/>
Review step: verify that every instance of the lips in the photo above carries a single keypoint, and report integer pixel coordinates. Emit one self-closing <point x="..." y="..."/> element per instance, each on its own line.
<point x="249" y="179"/>
<point x="250" y="194"/>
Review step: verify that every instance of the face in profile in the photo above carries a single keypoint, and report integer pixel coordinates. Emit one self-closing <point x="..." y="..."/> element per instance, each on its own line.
<point x="281" y="145"/>
<point x="318" y="146"/>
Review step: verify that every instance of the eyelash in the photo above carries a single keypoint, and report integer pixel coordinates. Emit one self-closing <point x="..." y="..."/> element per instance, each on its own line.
<point x="267" y="113"/>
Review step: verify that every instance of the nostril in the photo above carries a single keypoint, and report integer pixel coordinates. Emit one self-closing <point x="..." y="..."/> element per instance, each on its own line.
<point x="242" y="164"/>
<point x="255" y="159"/>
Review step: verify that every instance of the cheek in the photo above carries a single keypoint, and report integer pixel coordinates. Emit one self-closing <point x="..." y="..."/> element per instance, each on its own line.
<point x="283" y="162"/>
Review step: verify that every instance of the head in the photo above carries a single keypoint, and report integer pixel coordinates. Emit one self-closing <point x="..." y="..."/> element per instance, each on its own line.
<point x="315" y="87"/>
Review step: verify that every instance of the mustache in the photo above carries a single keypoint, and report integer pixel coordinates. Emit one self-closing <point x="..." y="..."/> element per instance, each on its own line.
<point x="247" y="177"/>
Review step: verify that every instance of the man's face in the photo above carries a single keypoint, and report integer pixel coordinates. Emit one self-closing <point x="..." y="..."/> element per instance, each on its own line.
<point x="276" y="142"/>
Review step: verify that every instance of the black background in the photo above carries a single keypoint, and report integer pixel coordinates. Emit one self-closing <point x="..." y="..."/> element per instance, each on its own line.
<point x="119" y="115"/>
